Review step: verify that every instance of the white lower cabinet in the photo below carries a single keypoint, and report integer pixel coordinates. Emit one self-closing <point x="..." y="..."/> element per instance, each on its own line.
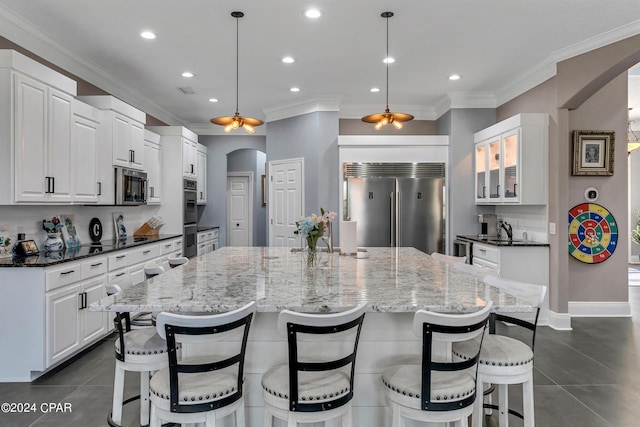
<point x="63" y="323"/>
<point x="70" y="325"/>
<point x="207" y="241"/>
<point x="529" y="264"/>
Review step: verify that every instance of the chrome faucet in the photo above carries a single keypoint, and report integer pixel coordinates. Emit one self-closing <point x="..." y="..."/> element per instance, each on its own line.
<point x="507" y="227"/>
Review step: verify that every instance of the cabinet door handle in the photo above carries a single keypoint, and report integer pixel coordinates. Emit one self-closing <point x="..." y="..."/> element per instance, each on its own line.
<point x="146" y="252"/>
<point x="191" y="168"/>
<point x="482" y="250"/>
<point x="53" y="184"/>
<point x="120" y="274"/>
<point x="80" y="301"/>
<point x="121" y="256"/>
<point x="64" y="273"/>
<point x="498" y="190"/>
<point x="99" y="188"/>
<point x="484" y="191"/>
<point x="96" y="264"/>
<point x="201" y="196"/>
<point x="168" y="246"/>
<point x="84" y="300"/>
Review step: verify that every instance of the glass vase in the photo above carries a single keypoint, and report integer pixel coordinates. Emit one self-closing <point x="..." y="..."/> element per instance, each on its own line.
<point x="312" y="253"/>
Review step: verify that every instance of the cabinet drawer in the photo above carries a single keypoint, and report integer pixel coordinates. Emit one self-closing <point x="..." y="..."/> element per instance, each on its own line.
<point x="144" y="253"/>
<point x="166" y="247"/>
<point x="118" y="260"/>
<point x="486" y="264"/>
<point x="486" y="253"/>
<point x="62" y="276"/>
<point x="120" y="278"/>
<point x="94" y="267"/>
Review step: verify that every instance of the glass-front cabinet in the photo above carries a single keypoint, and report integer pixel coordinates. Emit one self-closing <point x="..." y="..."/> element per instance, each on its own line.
<point x="511" y="161"/>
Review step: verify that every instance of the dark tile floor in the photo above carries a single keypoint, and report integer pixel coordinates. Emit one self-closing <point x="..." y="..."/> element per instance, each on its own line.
<point x="587" y="377"/>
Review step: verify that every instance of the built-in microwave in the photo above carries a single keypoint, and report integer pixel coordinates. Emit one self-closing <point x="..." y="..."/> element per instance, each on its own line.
<point x="131" y="187"/>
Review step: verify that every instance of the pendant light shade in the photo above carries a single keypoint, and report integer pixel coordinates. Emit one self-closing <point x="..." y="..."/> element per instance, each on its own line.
<point x="237" y="121"/>
<point x="387" y="117"/>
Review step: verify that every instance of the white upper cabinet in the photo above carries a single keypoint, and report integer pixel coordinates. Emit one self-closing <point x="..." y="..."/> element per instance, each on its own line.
<point x="84" y="152"/>
<point x="152" y="156"/>
<point x="123" y="130"/>
<point x="189" y="153"/>
<point x="201" y="169"/>
<point x="511" y="161"/>
<point x="42" y="142"/>
<point x="35" y="129"/>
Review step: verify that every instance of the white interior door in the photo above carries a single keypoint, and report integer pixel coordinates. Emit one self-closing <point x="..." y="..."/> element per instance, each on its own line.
<point x="286" y="201"/>
<point x="239" y="210"/>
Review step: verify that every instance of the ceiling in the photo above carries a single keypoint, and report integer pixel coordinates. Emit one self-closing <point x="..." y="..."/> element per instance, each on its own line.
<point x="499" y="47"/>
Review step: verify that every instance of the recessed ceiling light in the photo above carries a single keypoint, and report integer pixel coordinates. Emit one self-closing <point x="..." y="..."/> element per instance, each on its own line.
<point x="187" y="74"/>
<point x="213" y="99"/>
<point x="313" y="13"/>
<point x="288" y="60"/>
<point x="455" y="77"/>
<point x="295" y="89"/>
<point x="389" y="60"/>
<point x="147" y="35"/>
<point x="374" y="89"/>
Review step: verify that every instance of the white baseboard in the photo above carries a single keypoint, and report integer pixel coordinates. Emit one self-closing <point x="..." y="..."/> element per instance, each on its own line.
<point x="599" y="309"/>
<point x="559" y="321"/>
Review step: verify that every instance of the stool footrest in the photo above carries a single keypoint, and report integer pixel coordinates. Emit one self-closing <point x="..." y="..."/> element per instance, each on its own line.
<point x="511" y="411"/>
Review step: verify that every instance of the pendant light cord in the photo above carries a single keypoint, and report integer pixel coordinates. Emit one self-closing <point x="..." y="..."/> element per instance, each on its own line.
<point x="237" y="61"/>
<point x="386" y="60"/>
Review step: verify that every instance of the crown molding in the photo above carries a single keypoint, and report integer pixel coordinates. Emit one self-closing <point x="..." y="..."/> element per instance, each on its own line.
<point x="357" y="111"/>
<point x="22" y="32"/>
<point x="548" y="68"/>
<point x="211" y="129"/>
<point x="312" y="105"/>
<point x="465" y="100"/>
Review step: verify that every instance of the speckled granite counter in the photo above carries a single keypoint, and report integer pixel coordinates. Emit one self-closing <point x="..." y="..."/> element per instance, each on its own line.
<point x="391" y="280"/>
<point x="501" y="242"/>
<point x="84" y="251"/>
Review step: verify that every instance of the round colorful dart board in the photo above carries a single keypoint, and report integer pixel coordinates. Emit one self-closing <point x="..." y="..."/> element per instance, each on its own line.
<point x="593" y="233"/>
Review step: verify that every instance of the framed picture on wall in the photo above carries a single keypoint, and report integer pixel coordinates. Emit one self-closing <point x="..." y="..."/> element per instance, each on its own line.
<point x="593" y="152"/>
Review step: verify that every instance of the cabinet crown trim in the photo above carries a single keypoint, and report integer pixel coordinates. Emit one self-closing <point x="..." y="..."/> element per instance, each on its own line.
<point x="523" y="119"/>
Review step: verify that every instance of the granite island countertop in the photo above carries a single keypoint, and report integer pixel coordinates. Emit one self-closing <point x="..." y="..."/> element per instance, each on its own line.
<point x="390" y="280"/>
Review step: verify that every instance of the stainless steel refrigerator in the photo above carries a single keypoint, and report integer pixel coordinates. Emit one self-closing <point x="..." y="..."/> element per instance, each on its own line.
<point x="402" y="210"/>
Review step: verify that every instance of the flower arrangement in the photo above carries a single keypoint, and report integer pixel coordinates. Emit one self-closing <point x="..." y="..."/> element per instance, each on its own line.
<point x="52" y="225"/>
<point x="312" y="228"/>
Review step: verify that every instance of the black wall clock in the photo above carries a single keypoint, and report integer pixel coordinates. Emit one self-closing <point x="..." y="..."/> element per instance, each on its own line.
<point x="95" y="229"/>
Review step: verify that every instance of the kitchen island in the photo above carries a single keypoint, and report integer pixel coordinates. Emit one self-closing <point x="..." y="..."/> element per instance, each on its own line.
<point x="394" y="281"/>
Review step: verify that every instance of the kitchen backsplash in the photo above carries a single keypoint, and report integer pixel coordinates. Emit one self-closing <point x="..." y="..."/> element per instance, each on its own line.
<point x="532" y="219"/>
<point x="29" y="219"/>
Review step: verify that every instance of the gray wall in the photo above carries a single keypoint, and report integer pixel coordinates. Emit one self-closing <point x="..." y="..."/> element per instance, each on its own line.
<point x="218" y="146"/>
<point x="314" y="137"/>
<point x="460" y="124"/>
<point x="250" y="160"/>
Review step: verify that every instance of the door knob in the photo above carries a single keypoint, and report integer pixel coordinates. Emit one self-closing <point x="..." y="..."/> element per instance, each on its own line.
<point x="237" y="225"/>
<point x="295" y="232"/>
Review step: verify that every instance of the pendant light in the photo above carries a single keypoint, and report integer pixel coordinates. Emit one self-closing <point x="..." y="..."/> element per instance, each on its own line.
<point x="236" y="121"/>
<point x="388" y="117"/>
